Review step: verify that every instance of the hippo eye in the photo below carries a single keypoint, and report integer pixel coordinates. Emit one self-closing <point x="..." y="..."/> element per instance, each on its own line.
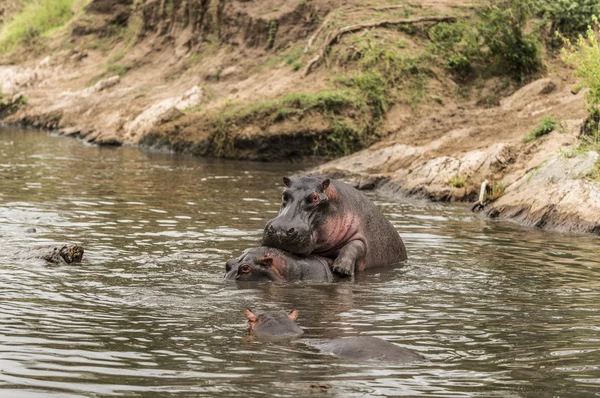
<point x="285" y="197"/>
<point x="245" y="268"/>
<point x="314" y="198"/>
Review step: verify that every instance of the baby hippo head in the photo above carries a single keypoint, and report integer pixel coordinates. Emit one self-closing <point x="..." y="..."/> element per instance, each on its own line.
<point x="259" y="264"/>
<point x="273" y="324"/>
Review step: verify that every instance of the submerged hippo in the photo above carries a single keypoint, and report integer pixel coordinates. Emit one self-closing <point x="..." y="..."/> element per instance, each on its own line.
<point x="332" y="219"/>
<point x="58" y="255"/>
<point x="279" y="324"/>
<point x="273" y="324"/>
<point x="264" y="264"/>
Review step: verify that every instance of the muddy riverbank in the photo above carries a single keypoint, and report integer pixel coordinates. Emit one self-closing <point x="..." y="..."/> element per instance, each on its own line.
<point x="264" y="82"/>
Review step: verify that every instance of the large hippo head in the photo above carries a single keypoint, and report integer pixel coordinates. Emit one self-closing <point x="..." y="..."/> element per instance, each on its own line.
<point x="273" y="324"/>
<point x="258" y="264"/>
<point x="304" y="206"/>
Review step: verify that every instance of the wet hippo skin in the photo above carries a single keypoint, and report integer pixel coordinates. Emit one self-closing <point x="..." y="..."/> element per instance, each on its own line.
<point x="273" y="324"/>
<point x="266" y="264"/>
<point x="329" y="218"/>
<point x="366" y="348"/>
<point x="279" y="324"/>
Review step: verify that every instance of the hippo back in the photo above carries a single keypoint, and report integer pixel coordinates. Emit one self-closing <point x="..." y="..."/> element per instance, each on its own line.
<point x="367" y="348"/>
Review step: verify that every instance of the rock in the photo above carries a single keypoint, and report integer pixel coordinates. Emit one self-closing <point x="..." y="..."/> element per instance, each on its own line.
<point x="102" y="85"/>
<point x="558" y="195"/>
<point x="160" y="112"/>
<point x="57" y="255"/>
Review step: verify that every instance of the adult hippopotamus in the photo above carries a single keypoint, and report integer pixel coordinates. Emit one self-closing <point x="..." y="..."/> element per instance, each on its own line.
<point x="266" y="264"/>
<point x="332" y="219"/>
<point x="279" y="324"/>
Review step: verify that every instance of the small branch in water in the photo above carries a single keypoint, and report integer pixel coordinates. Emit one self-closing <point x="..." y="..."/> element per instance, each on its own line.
<point x="481" y="203"/>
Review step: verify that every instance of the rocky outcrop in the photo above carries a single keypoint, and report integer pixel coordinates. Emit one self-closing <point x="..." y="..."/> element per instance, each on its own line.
<point x="561" y="194"/>
<point x="57" y="255"/>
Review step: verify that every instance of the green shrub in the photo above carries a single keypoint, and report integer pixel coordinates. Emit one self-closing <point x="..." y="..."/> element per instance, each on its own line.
<point x="545" y="125"/>
<point x="584" y="56"/>
<point x="37" y="18"/>
<point x="457" y="43"/>
<point x="501" y="27"/>
<point x="569" y="17"/>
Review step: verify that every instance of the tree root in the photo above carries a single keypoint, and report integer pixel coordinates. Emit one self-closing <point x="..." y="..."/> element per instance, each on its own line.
<point x="331" y="39"/>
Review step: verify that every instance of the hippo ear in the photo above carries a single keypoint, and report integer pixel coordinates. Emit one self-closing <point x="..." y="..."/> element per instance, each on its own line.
<point x="293" y="315"/>
<point x="287" y="182"/>
<point x="325" y="184"/>
<point x="266" y="261"/>
<point x="250" y="315"/>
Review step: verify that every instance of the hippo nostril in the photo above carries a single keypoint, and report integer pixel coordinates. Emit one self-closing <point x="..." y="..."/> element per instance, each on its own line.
<point x="291" y="231"/>
<point x="271" y="228"/>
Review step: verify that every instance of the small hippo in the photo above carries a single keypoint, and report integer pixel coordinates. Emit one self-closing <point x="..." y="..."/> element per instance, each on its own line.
<point x="273" y="324"/>
<point x="57" y="255"/>
<point x="264" y="264"/>
<point x="332" y="219"/>
<point x="278" y="324"/>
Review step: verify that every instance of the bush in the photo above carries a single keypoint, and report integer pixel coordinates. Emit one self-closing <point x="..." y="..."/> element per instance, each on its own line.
<point x="37" y="18"/>
<point x="569" y="17"/>
<point x="502" y="26"/>
<point x="457" y="43"/>
<point x="584" y="56"/>
<point x="545" y="126"/>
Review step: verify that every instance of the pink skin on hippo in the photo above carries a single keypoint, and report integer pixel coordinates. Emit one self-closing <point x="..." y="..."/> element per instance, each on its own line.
<point x="332" y="219"/>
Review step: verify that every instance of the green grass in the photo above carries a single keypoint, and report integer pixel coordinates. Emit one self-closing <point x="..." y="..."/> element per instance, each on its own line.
<point x="457" y="181"/>
<point x="546" y="125"/>
<point x="496" y="190"/>
<point x="344" y="137"/>
<point x="38" y="18"/>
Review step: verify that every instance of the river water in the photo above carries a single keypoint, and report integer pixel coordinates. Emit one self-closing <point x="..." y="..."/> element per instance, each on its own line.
<point x="498" y="310"/>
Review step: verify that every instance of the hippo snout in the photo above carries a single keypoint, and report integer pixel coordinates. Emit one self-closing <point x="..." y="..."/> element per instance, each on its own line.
<point x="292" y="237"/>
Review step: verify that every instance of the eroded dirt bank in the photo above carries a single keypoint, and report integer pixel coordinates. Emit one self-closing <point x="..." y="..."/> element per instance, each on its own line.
<point x="272" y="80"/>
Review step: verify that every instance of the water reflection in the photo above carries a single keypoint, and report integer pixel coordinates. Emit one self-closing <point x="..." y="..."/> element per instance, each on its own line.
<point x="498" y="310"/>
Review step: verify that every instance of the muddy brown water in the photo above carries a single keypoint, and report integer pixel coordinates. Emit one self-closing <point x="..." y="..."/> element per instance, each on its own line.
<point x="498" y="310"/>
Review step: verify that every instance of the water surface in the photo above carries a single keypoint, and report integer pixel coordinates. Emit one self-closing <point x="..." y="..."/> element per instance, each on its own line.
<point x="498" y="310"/>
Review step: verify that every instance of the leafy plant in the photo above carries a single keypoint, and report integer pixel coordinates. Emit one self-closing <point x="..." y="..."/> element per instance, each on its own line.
<point x="458" y="43"/>
<point x="584" y="56"/>
<point x="568" y="17"/>
<point x="545" y="126"/>
<point x="502" y="27"/>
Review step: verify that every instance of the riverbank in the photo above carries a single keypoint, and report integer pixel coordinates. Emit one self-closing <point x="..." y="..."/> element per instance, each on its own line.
<point x="385" y="90"/>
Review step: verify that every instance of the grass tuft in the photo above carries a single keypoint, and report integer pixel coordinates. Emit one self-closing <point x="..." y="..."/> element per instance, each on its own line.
<point x="546" y="125"/>
<point x="457" y="181"/>
<point x="495" y="191"/>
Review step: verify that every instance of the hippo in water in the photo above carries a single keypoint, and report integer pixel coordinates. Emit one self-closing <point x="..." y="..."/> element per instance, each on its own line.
<point x="273" y="324"/>
<point x="279" y="324"/>
<point x="265" y="264"/>
<point x="332" y="219"/>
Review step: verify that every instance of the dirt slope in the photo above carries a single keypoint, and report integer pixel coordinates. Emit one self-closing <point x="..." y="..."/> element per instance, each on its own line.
<point x="256" y="80"/>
